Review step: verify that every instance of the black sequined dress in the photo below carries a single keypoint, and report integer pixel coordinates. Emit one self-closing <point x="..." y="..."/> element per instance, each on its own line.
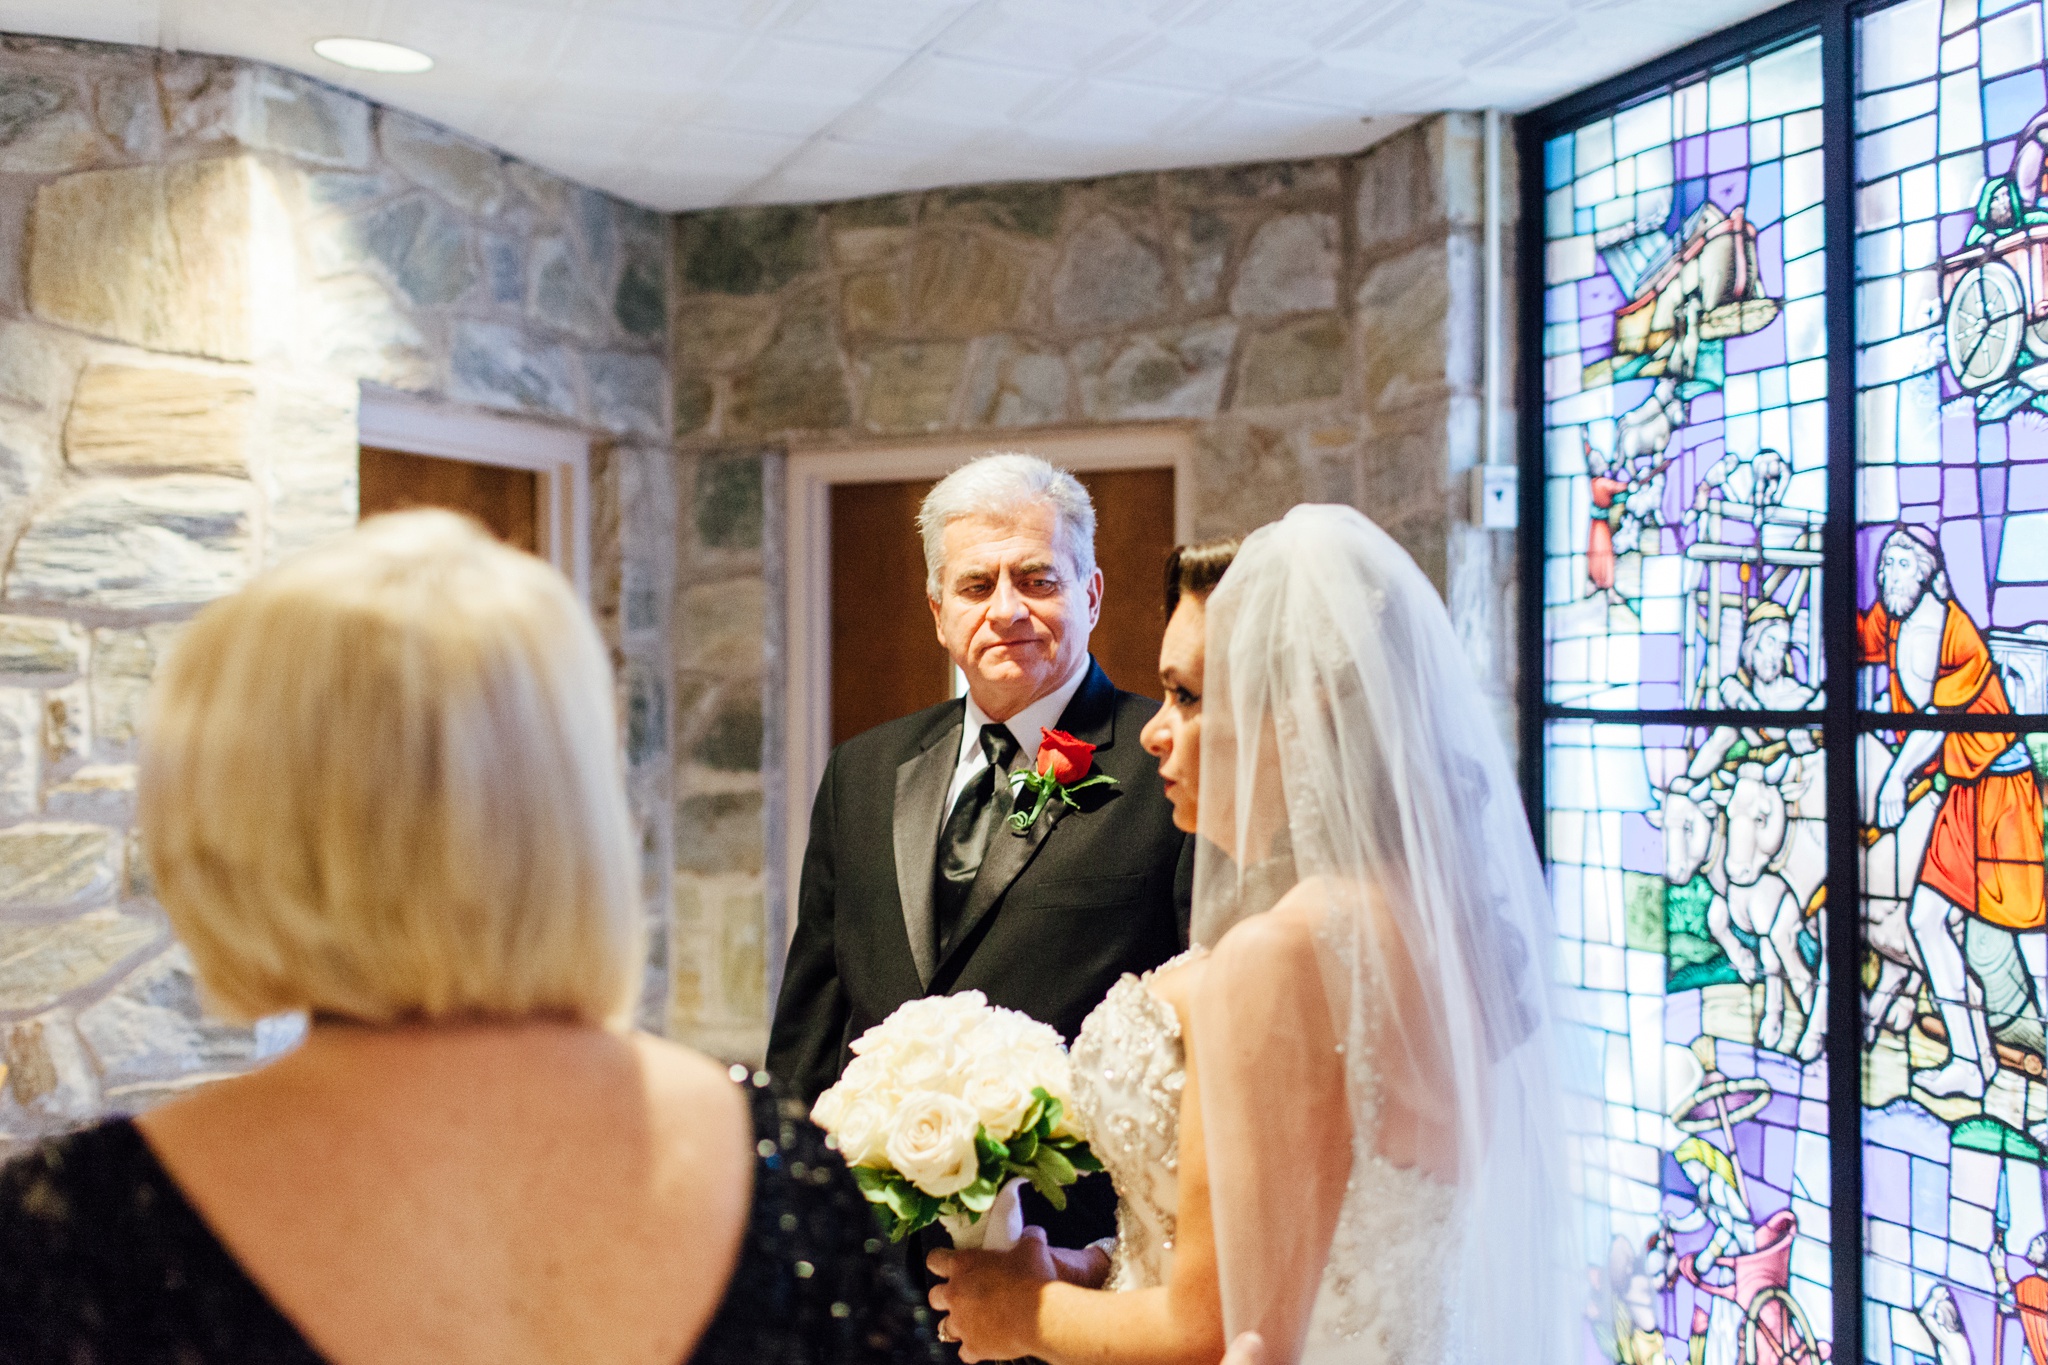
<point x="103" y="1261"/>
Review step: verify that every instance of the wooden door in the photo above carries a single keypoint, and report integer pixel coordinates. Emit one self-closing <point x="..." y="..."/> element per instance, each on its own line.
<point x="507" y="501"/>
<point x="886" y="658"/>
<point x="1133" y="537"/>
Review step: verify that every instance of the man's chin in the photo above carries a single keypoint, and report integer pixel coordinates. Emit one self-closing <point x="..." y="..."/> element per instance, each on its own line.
<point x="1014" y="665"/>
<point x="1005" y="675"/>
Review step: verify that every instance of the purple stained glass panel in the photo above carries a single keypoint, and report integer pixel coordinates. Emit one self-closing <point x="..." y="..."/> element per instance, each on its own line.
<point x="1700" y="1005"/>
<point x="1952" y="599"/>
<point x="1685" y="444"/>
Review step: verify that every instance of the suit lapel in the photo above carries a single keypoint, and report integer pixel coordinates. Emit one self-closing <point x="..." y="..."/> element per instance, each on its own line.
<point x="1090" y="717"/>
<point x="922" y="781"/>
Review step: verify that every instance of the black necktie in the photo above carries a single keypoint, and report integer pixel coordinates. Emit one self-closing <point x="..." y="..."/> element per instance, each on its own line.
<point x="964" y="841"/>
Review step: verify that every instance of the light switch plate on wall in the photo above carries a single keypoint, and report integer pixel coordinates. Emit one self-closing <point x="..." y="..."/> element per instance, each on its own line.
<point x="1495" y="494"/>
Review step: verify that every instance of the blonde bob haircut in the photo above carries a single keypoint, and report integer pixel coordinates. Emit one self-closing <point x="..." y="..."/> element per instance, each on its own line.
<point x="382" y="784"/>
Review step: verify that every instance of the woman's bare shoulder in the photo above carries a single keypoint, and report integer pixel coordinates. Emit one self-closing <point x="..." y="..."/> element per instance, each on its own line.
<point x="686" y="1087"/>
<point x="1286" y="931"/>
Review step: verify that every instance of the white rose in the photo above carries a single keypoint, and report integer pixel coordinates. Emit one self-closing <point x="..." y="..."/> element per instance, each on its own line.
<point x="933" y="1022"/>
<point x="1010" y="1054"/>
<point x="825" y="1113"/>
<point x="870" y="1076"/>
<point x="921" y="1064"/>
<point x="862" y="1131"/>
<point x="1000" y="1096"/>
<point x="932" y="1143"/>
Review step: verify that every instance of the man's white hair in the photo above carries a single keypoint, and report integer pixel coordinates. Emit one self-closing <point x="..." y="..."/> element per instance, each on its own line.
<point x="1002" y="485"/>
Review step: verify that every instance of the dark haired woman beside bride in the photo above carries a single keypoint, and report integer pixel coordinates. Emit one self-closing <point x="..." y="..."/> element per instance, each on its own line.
<point x="1333" y="1123"/>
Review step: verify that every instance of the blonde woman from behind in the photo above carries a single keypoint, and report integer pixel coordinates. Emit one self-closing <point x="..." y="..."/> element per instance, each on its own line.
<point x="381" y="786"/>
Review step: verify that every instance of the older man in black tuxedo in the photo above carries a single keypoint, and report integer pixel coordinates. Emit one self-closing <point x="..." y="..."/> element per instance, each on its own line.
<point x="913" y="882"/>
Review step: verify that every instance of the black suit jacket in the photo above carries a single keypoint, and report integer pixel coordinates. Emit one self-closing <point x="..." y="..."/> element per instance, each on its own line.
<point x="1054" y="917"/>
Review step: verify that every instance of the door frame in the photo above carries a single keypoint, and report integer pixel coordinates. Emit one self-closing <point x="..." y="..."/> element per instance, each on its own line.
<point x="807" y="606"/>
<point x="560" y="456"/>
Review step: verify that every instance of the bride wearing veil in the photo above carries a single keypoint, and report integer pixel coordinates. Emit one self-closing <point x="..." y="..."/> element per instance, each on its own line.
<point x="1335" y="1121"/>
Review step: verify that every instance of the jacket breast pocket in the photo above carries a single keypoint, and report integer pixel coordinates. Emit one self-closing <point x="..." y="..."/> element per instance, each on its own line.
<point x="1089" y="892"/>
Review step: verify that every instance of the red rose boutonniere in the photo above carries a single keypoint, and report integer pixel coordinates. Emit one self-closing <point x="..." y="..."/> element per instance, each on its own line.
<point x="1063" y="767"/>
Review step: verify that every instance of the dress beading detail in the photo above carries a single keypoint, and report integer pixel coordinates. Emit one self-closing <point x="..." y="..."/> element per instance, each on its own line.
<point x="1129" y="1069"/>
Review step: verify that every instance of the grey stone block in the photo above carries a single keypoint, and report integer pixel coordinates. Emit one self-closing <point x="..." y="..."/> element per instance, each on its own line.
<point x="1108" y="277"/>
<point x="137" y="544"/>
<point x="503" y="367"/>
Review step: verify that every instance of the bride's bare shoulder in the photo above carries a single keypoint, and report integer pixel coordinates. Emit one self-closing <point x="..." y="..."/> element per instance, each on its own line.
<point x="1295" y="918"/>
<point x="1282" y="936"/>
<point x="1287" y="934"/>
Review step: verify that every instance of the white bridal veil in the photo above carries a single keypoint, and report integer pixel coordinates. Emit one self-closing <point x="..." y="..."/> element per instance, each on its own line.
<point x="1351" y="776"/>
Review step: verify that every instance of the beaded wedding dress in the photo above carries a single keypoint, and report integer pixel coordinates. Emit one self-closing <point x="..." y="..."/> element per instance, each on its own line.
<point x="1381" y="1299"/>
<point x="1373" y="930"/>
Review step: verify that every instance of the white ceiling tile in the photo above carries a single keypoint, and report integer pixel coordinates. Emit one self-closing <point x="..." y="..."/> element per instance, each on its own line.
<point x="782" y="67"/>
<point x="974" y="93"/>
<point x="1090" y="113"/>
<point x="645" y="54"/>
<point x="902" y="24"/>
<point x="1024" y="35"/>
<point x="116" y="21"/>
<point x="688" y="103"/>
<point x="1212" y="63"/>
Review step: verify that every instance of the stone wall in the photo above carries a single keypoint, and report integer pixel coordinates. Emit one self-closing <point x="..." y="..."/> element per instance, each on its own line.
<point x="201" y="264"/>
<point x="1316" y="323"/>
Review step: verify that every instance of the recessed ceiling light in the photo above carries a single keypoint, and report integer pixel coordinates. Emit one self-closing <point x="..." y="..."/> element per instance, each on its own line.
<point x="367" y="54"/>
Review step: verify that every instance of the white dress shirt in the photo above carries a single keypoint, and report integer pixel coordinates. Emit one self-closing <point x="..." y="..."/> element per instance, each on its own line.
<point x="1042" y="714"/>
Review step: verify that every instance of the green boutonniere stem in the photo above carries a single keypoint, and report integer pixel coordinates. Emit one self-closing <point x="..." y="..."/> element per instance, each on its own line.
<point x="1044" y="788"/>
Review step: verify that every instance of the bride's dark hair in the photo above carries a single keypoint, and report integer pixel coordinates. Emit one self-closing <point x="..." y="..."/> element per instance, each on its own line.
<point x="1195" y="570"/>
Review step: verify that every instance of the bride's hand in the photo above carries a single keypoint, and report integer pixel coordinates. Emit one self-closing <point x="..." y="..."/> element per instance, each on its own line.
<point x="1248" y="1349"/>
<point x="1087" y="1267"/>
<point x="990" y="1298"/>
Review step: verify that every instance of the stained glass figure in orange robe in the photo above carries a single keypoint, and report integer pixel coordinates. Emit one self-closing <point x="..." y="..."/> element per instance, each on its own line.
<point x="1983" y="858"/>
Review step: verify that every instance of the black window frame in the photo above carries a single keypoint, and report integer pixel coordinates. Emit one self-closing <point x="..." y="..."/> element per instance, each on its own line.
<point x="1838" y="718"/>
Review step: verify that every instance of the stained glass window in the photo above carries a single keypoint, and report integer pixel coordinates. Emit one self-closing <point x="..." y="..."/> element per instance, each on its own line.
<point x="1952" y="629"/>
<point x="1685" y="449"/>
<point x="1696" y="577"/>
<point x="1699" y="997"/>
<point x="1685" y="386"/>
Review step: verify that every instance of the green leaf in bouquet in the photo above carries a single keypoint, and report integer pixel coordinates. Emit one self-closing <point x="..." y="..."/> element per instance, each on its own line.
<point x="1050" y="1119"/>
<point x="979" y="1197"/>
<point x="1047" y="1186"/>
<point x="1057" y="1168"/>
<point x="909" y="1207"/>
<point x="1081" y="1157"/>
<point x="1032" y="1115"/>
<point x="987" y="1149"/>
<point x="1023" y="1149"/>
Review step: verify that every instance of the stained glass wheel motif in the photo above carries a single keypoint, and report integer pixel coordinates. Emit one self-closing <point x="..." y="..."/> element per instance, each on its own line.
<point x="1685" y="428"/>
<point x="1952" y="622"/>
<point x="1952" y="342"/>
<point x="1685" y="475"/>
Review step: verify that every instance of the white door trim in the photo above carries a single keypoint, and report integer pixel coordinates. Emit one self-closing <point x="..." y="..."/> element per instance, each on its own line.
<point x="560" y="455"/>
<point x="808" y="584"/>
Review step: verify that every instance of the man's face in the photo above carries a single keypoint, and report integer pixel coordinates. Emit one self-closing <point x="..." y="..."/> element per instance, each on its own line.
<point x="1011" y="611"/>
<point x="1899" y="580"/>
<point x="1767" y="654"/>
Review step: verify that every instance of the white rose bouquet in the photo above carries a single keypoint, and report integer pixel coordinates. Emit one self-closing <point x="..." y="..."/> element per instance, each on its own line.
<point x="949" y="1102"/>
